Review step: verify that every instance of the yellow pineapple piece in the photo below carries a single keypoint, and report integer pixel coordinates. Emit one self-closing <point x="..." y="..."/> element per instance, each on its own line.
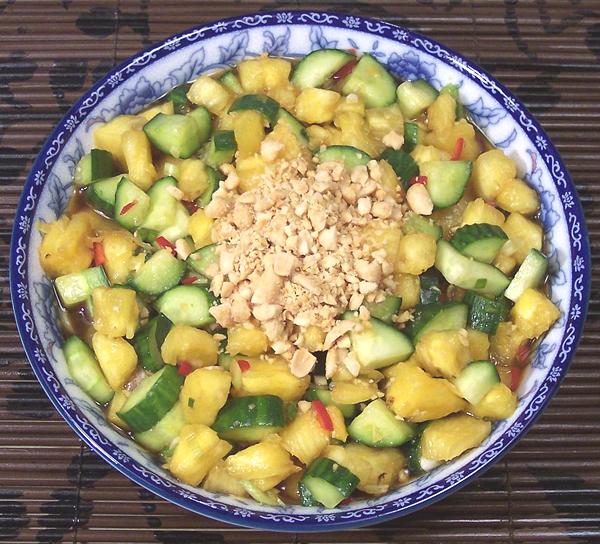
<point x="248" y="341"/>
<point x="316" y="105"/>
<point x="207" y="92"/>
<point x="292" y="147"/>
<point x="491" y="170"/>
<point x="249" y="130"/>
<point x="187" y="343"/>
<point x="318" y="135"/>
<point x="504" y="262"/>
<point x="389" y="179"/>
<point x="416" y="253"/>
<point x="353" y="104"/>
<point x="119" y="260"/>
<point x="284" y="95"/>
<point x="499" y="403"/>
<point x="383" y="120"/>
<point x="313" y="338"/>
<point x="198" y="450"/>
<point x="516" y="196"/>
<point x="534" y="313"/>
<point x="446" y="140"/>
<point x="204" y="393"/>
<point x="116" y="311"/>
<point x="479" y="344"/>
<point x="505" y="343"/>
<point x="450" y="218"/>
<point x="192" y="178"/>
<point x="200" y="228"/>
<point x="116" y="403"/>
<point x="444" y="353"/>
<point x="169" y="166"/>
<point x="116" y="357"/>
<point x="264" y="73"/>
<point x="305" y="438"/>
<point x="478" y="211"/>
<point x="339" y="423"/>
<point x="138" y="158"/>
<point x="249" y="171"/>
<point x="218" y="480"/>
<point x="354" y="132"/>
<point x="108" y="136"/>
<point x="447" y="438"/>
<point x="353" y="392"/>
<point x="150" y="113"/>
<point x="408" y="288"/>
<point x="426" y="153"/>
<point x="442" y="113"/>
<point x="380" y="236"/>
<point x="524" y="235"/>
<point x="414" y="395"/>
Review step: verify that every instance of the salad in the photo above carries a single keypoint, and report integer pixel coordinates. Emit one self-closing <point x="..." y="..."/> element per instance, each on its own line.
<point x="300" y="281"/>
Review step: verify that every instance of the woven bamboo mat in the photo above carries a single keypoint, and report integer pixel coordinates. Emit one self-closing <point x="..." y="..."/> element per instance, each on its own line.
<point x="53" y="489"/>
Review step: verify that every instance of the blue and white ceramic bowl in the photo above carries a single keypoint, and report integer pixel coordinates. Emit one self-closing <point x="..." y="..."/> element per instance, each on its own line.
<point x="147" y="76"/>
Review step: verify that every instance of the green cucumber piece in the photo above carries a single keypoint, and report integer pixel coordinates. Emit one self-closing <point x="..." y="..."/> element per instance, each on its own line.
<point x="446" y="181"/>
<point x="476" y="380"/>
<point x="453" y="91"/>
<point x="78" y="286"/>
<point x="467" y="273"/>
<point x="179" y="227"/>
<point x="204" y="121"/>
<point x="430" y="290"/>
<point x="480" y="241"/>
<point x="131" y="205"/>
<point x="377" y="426"/>
<point x="316" y="68"/>
<point x="146" y="235"/>
<point x="187" y="305"/>
<point x="257" y="102"/>
<point x="96" y="164"/>
<point x="414" y="97"/>
<point x="221" y="149"/>
<point x="350" y="156"/>
<point x="204" y="260"/>
<point x="372" y="82"/>
<point x="413" y="135"/>
<point x="402" y="163"/>
<point x="531" y="274"/>
<point x="296" y="126"/>
<point x="178" y="96"/>
<point x="176" y="135"/>
<point x="328" y="482"/>
<point x="214" y="178"/>
<point x="158" y="274"/>
<point x="161" y="213"/>
<point x="148" y="341"/>
<point x="85" y="370"/>
<point x="448" y="316"/>
<point x="152" y="399"/>
<point x="324" y="395"/>
<point x="386" y="309"/>
<point x="231" y="82"/>
<point x="485" y="314"/>
<point x="164" y="432"/>
<point x="270" y="497"/>
<point x="413" y="222"/>
<point x="101" y="194"/>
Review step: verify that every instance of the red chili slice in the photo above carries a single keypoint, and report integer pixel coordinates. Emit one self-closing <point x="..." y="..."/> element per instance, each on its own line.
<point x="421" y="180"/>
<point x="189" y="281"/>
<point x="515" y="377"/>
<point x="184" y="368"/>
<point x="345" y="70"/>
<point x="243" y="364"/>
<point x="458" y="149"/>
<point x="127" y="207"/>
<point x="99" y="257"/>
<point x="162" y="242"/>
<point x="191" y="207"/>
<point x="322" y="415"/>
<point x="523" y="353"/>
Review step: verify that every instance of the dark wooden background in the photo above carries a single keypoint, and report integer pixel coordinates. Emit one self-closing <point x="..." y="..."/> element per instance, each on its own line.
<point x="53" y="489"/>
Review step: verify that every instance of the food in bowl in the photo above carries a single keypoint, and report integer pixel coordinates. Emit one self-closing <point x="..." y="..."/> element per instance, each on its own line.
<point x="300" y="281"/>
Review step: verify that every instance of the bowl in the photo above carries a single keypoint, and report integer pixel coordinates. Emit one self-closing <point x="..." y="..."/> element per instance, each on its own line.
<point x="148" y="75"/>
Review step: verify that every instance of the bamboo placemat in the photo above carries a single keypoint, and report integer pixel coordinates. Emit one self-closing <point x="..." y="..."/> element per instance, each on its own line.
<point x="53" y="489"/>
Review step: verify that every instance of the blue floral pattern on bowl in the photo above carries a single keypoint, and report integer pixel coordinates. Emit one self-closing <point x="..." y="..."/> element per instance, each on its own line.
<point x="147" y="76"/>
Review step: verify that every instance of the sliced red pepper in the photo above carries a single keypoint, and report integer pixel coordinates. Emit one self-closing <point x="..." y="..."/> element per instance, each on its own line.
<point x="99" y="257"/>
<point x="189" y="280"/>
<point x="420" y="180"/>
<point x="491" y="203"/>
<point x="345" y="70"/>
<point x="244" y="365"/>
<point x="458" y="149"/>
<point x="184" y="368"/>
<point x="515" y="377"/>
<point x="127" y="207"/>
<point x="191" y="207"/>
<point x="162" y="242"/>
<point x="522" y="355"/>
<point x="322" y="415"/>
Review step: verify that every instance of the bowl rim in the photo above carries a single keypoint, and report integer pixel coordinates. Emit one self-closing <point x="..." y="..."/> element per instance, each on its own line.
<point x="521" y="116"/>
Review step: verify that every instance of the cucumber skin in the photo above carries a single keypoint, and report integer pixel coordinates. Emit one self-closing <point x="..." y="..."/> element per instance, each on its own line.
<point x="344" y="481"/>
<point x="314" y="77"/>
<point x="350" y="156"/>
<point x="485" y="314"/>
<point x="403" y="165"/>
<point x="481" y="241"/>
<point x="148" y="341"/>
<point x="164" y="432"/>
<point x="257" y="102"/>
<point x="425" y="315"/>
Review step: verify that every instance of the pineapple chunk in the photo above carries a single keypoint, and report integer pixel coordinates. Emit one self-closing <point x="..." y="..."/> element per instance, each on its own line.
<point x="318" y="135"/>
<point x="249" y="130"/>
<point x="207" y="92"/>
<point x="505" y="343"/>
<point x="353" y="392"/>
<point x="408" y="288"/>
<point x="389" y="179"/>
<point x="378" y="469"/>
<point x="66" y="246"/>
<point x="116" y="357"/>
<point x="353" y="104"/>
<point x="354" y="132"/>
<point x="138" y="157"/>
<point x="249" y="171"/>
<point x="109" y="135"/>
<point x="313" y="338"/>
<point x="516" y="196"/>
<point x="383" y="120"/>
<point x="414" y="395"/>
<point x="416" y="253"/>
<point x="478" y="211"/>
<point x="292" y="147"/>
<point x="116" y="311"/>
<point x="115" y="406"/>
<point x="305" y="438"/>
<point x="446" y="140"/>
<point x="150" y="113"/>
<point x="284" y="95"/>
<point x="192" y="178"/>
<point x="444" y="353"/>
<point x="504" y="262"/>
<point x="186" y="343"/>
<point x="426" y="153"/>
<point x="200" y="228"/>
<point x="534" y="313"/>
<point x="251" y="342"/>
<point x="263" y="73"/>
<point x="119" y="261"/>
<point x="491" y="170"/>
<point x="270" y="376"/>
<point x="524" y="235"/>
<point x="442" y="113"/>
<point x="316" y="105"/>
<point x="266" y="464"/>
<point x="339" y="424"/>
<point x="204" y="393"/>
<point x="218" y="480"/>
<point x="380" y="236"/>
<point x="198" y="450"/>
<point x="499" y="403"/>
<point x="479" y="344"/>
<point x="447" y="438"/>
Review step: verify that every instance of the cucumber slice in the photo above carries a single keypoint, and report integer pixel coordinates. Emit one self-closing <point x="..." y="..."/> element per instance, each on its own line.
<point x="485" y="314"/>
<point x="296" y="126"/>
<point x="467" y="273"/>
<point x="96" y="164"/>
<point x="402" y="163"/>
<point x="531" y="274"/>
<point x="146" y="235"/>
<point x="148" y="341"/>
<point x="231" y="82"/>
<point x="316" y="68"/>
<point x="329" y="483"/>
<point x="221" y="149"/>
<point x="204" y="260"/>
<point x="372" y="82"/>
<point x="85" y="370"/>
<point x="176" y="135"/>
<point x="178" y="96"/>
<point x="448" y="316"/>
<point x="152" y="399"/>
<point x="158" y="274"/>
<point x="179" y="228"/>
<point x="480" y="241"/>
<point x="413" y="222"/>
<point x="131" y="205"/>
<point x="417" y="464"/>
<point x="225" y="360"/>
<point x="350" y="156"/>
<point x="386" y="309"/>
<point x="204" y="121"/>
<point x="161" y="213"/>
<point x="476" y="380"/>
<point x="379" y="345"/>
<point x="214" y="177"/>
<point x="78" y="286"/>
<point x="250" y="419"/>
<point x="257" y="102"/>
<point x="414" y="97"/>
<point x="446" y="181"/>
<point x="187" y="305"/>
<point x="413" y="135"/>
<point x="270" y="497"/>
<point x="324" y="395"/>
<point x="164" y="432"/>
<point x="430" y="290"/>
<point x="101" y="194"/>
<point x="376" y="426"/>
